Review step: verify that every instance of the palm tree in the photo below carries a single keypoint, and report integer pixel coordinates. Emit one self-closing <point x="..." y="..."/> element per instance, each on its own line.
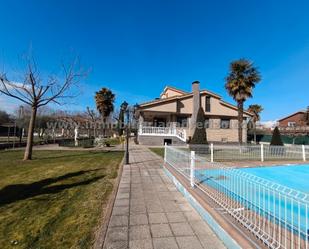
<point x="241" y="80"/>
<point x="255" y="110"/>
<point x="105" y="104"/>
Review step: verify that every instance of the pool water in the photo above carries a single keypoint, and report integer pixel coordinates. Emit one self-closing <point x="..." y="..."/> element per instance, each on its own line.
<point x="292" y="176"/>
<point x="296" y="177"/>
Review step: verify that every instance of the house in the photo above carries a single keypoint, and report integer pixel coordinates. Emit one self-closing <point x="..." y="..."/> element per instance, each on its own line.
<point x="294" y="119"/>
<point x="295" y="124"/>
<point x="171" y="118"/>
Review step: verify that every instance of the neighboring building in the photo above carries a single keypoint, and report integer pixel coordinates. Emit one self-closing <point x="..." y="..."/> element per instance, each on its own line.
<point x="293" y="120"/>
<point x="296" y="124"/>
<point x="171" y="118"/>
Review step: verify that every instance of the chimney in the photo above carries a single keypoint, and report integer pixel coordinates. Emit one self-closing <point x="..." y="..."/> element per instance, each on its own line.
<point x="195" y="104"/>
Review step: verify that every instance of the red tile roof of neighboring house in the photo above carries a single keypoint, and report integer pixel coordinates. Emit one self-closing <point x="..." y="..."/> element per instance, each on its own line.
<point x="291" y="115"/>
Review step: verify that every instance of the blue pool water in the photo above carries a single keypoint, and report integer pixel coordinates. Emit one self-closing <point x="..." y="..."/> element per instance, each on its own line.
<point x="292" y="176"/>
<point x="275" y="206"/>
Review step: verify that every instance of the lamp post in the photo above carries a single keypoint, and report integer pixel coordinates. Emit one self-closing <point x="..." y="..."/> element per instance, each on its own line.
<point x="127" y="136"/>
<point x="130" y="110"/>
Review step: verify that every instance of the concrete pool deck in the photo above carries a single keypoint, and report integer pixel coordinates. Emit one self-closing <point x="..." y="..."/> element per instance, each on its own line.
<point x="149" y="212"/>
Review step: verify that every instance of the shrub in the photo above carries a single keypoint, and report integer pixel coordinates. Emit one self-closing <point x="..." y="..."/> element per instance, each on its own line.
<point x="276" y="137"/>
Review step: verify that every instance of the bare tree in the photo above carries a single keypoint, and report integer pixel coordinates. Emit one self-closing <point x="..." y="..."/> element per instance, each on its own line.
<point x="36" y="92"/>
<point x="93" y="118"/>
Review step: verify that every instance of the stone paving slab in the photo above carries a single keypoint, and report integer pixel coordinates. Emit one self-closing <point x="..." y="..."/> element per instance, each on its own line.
<point x="149" y="212"/>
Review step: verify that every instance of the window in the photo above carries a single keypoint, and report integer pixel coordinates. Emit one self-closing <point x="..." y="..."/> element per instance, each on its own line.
<point x="207" y="104"/>
<point x="225" y="124"/>
<point x="291" y="124"/>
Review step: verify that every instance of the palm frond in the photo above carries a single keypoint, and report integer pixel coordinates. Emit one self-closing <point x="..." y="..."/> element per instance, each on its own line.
<point x="241" y="80"/>
<point x="105" y="101"/>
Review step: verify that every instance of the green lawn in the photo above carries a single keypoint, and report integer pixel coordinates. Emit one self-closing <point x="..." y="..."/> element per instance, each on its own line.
<point x="55" y="200"/>
<point x="158" y="151"/>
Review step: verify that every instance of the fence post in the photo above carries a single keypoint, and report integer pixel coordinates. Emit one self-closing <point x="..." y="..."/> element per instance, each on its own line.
<point x="192" y="168"/>
<point x="165" y="149"/>
<point x="212" y="152"/>
<point x="262" y="152"/>
<point x="304" y="153"/>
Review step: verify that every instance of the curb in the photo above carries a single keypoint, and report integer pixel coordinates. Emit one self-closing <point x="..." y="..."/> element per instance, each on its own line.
<point x="101" y="232"/>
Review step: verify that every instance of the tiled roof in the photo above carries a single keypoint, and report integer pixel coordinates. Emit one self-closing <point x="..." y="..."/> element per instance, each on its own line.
<point x="301" y="111"/>
<point x="157" y="101"/>
<point x="185" y="95"/>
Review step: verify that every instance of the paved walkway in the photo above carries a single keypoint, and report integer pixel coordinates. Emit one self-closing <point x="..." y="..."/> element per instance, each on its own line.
<point x="149" y="212"/>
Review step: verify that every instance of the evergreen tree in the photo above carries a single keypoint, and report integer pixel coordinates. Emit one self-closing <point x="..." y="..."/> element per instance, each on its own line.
<point x="199" y="136"/>
<point x="276" y="138"/>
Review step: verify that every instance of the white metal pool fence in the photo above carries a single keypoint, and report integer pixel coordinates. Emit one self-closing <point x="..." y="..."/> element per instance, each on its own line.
<point x="275" y="214"/>
<point x="262" y="152"/>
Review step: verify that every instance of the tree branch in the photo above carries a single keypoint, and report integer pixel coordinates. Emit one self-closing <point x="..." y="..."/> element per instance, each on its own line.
<point x="5" y="83"/>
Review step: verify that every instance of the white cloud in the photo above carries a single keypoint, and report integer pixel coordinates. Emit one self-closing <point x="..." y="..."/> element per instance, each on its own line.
<point x="269" y="123"/>
<point x="8" y="104"/>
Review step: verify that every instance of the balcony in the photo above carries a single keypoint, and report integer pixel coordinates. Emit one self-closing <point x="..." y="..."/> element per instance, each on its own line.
<point x="163" y="131"/>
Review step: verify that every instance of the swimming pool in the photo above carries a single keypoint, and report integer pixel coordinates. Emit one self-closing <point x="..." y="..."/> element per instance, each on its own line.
<point x="292" y="176"/>
<point x="279" y="193"/>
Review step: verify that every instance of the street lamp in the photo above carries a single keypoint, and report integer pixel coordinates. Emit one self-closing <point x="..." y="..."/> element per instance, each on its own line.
<point x="130" y="110"/>
<point x="127" y="136"/>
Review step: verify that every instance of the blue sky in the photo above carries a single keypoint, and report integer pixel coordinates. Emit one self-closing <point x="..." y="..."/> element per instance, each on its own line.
<point x="137" y="47"/>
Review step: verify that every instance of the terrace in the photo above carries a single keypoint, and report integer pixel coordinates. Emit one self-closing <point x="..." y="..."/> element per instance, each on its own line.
<point x="170" y="130"/>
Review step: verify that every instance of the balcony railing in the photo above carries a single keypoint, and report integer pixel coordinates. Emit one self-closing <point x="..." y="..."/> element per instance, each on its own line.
<point x="163" y="131"/>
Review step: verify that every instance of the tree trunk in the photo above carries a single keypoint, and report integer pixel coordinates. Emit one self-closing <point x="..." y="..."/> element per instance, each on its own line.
<point x="240" y="120"/>
<point x="103" y="126"/>
<point x="254" y="132"/>
<point x="94" y="128"/>
<point x="28" y="151"/>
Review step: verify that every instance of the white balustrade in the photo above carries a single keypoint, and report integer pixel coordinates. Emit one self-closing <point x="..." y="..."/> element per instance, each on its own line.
<point x="163" y="131"/>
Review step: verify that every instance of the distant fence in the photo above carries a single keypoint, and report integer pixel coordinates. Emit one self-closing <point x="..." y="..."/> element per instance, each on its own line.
<point x="292" y="139"/>
<point x="275" y="214"/>
<point x="61" y="141"/>
<point x="261" y="152"/>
